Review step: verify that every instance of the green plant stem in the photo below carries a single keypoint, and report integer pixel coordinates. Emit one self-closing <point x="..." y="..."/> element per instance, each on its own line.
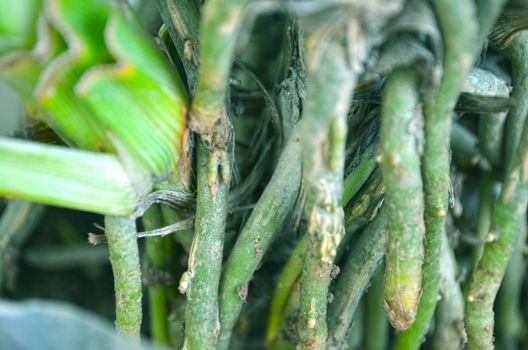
<point x="323" y="132"/>
<point x="16" y="224"/>
<point x="66" y="177"/>
<point x="219" y="26"/>
<point x="376" y="322"/>
<point x="205" y="259"/>
<point x="156" y="261"/>
<point x="258" y="234"/>
<point x="362" y="261"/>
<point x="124" y="256"/>
<point x="459" y="35"/>
<point x="400" y="165"/>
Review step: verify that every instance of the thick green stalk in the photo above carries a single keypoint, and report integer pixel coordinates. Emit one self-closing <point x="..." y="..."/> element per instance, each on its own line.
<point x="219" y="26"/>
<point x="258" y="234"/>
<point x="376" y="322"/>
<point x="156" y="262"/>
<point x="65" y="177"/>
<point x="459" y="30"/>
<point x="205" y="259"/>
<point x="361" y="264"/>
<point x="329" y="86"/>
<point x="124" y="256"/>
<point x="400" y="165"/>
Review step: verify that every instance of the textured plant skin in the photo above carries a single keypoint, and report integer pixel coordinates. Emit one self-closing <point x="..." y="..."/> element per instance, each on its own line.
<point x="460" y="33"/>
<point x="354" y="279"/>
<point x="158" y="258"/>
<point x="220" y="22"/>
<point x="508" y="214"/>
<point x="323" y="134"/>
<point x="400" y="164"/>
<point x="124" y="256"/>
<point x="202" y="324"/>
<point x="358" y="214"/>
<point x="257" y="235"/>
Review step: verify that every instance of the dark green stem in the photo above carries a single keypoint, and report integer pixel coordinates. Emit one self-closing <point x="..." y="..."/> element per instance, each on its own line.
<point x="124" y="256"/>
<point x="362" y="261"/>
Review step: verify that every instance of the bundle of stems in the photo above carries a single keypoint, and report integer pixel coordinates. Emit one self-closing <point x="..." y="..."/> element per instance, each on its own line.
<point x="332" y="165"/>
